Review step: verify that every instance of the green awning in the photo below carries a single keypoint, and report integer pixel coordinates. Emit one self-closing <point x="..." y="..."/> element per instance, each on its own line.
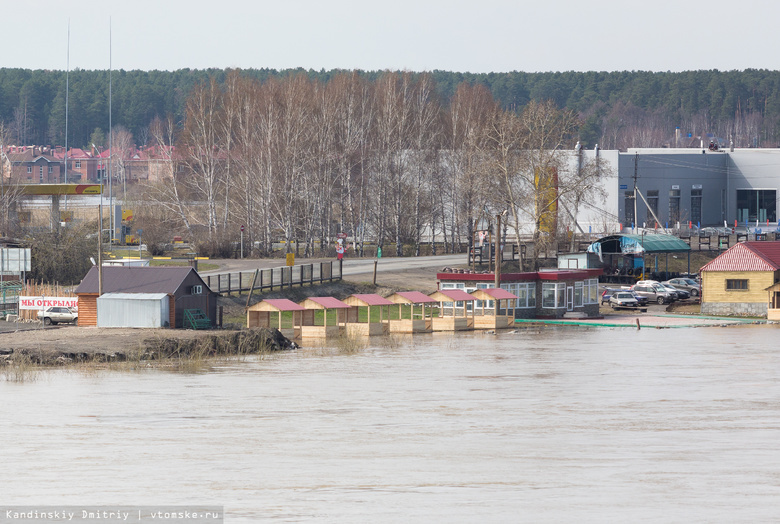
<point x="638" y="244"/>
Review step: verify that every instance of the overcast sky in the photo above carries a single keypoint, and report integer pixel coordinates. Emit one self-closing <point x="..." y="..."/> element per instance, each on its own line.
<point x="418" y="35"/>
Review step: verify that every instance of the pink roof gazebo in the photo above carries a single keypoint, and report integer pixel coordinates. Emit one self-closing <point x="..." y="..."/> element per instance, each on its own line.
<point x="326" y="304"/>
<point x="369" y="301"/>
<point x="259" y="315"/>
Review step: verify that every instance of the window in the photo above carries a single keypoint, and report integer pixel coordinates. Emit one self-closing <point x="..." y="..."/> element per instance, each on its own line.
<point x="652" y="201"/>
<point x="29" y="169"/>
<point x="78" y="164"/>
<point x="40" y="173"/>
<point x="51" y="170"/>
<point x="736" y="284"/>
<point x="525" y="292"/>
<point x="553" y="295"/>
<point x="696" y="206"/>
<point x="197" y="290"/>
<point x="674" y="206"/>
<point x="593" y="296"/>
<point x="756" y="204"/>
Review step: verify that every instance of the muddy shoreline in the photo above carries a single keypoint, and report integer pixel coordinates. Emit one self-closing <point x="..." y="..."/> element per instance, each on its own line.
<point x="65" y="345"/>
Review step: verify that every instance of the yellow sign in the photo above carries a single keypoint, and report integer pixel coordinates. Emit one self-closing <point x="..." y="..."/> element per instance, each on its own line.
<point x="127" y="214"/>
<point x="290" y="259"/>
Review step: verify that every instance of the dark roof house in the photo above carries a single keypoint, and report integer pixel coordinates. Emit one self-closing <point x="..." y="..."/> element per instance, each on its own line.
<point x="184" y="286"/>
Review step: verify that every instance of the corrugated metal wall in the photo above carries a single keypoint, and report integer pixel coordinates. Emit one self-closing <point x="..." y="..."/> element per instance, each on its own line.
<point x="138" y="311"/>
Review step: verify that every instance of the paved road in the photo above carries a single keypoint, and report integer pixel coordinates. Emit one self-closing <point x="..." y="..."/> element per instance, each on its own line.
<point x="352" y="266"/>
<point x="363" y="266"/>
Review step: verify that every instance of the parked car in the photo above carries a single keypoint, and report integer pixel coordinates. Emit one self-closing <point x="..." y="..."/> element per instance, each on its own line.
<point x="55" y="315"/>
<point x="623" y="299"/>
<point x="688" y="284"/>
<point x="611" y="291"/>
<point x="608" y="293"/>
<point x="654" y="293"/>
<point x="681" y="293"/>
<point x="643" y="301"/>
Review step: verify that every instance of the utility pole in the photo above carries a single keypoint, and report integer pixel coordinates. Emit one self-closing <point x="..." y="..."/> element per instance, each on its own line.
<point x="636" y="175"/>
<point x="100" y="250"/>
<point x="498" y="252"/>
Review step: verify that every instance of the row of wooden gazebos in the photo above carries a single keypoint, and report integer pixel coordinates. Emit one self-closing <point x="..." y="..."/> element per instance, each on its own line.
<point x="415" y="313"/>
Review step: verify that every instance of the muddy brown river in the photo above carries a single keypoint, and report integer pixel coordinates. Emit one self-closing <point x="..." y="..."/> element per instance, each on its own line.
<point x="541" y="425"/>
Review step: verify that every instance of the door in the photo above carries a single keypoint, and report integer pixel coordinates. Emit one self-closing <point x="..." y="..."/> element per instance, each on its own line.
<point x="570" y="298"/>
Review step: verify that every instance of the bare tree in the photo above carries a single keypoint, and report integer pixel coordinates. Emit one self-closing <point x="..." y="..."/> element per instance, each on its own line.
<point x="471" y="109"/>
<point x="167" y="190"/>
<point x="200" y="146"/>
<point x="527" y="155"/>
<point x="426" y="130"/>
<point x="121" y="150"/>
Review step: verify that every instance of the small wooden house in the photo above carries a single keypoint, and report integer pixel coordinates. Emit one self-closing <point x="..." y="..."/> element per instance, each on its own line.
<point x="408" y="302"/>
<point x="454" y="306"/>
<point x="492" y="318"/>
<point x="368" y="301"/>
<point x="327" y="324"/>
<point x="269" y="312"/>
<point x="740" y="281"/>
<point x="188" y="295"/>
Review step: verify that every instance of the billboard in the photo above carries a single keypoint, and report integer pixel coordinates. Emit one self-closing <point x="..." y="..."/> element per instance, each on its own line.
<point x="59" y="189"/>
<point x="44" y="302"/>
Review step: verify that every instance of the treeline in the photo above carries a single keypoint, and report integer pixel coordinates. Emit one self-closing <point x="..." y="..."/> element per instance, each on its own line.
<point x="616" y="109"/>
<point x="385" y="160"/>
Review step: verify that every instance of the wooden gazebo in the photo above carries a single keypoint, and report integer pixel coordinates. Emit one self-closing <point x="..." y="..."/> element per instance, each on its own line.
<point x="269" y="312"/>
<point x="415" y="323"/>
<point x="367" y="300"/>
<point x="449" y="318"/>
<point x="329" y="306"/>
<point x="490" y="318"/>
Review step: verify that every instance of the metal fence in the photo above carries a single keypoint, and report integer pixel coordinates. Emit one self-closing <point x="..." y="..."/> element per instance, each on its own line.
<point x="279" y="278"/>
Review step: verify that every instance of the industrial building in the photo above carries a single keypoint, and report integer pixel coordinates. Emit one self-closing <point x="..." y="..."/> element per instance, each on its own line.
<point x="696" y="188"/>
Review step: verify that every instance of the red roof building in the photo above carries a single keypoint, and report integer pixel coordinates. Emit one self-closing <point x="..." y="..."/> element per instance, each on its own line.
<point x="740" y="281"/>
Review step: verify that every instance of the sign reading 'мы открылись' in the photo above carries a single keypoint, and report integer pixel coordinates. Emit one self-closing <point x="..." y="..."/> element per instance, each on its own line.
<point x="111" y="515"/>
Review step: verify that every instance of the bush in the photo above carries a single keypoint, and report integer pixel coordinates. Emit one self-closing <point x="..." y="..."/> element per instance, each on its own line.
<point x="215" y="249"/>
<point x="62" y="256"/>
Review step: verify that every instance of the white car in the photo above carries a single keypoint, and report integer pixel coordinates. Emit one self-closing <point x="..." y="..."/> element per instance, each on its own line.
<point x="623" y="299"/>
<point x="54" y="315"/>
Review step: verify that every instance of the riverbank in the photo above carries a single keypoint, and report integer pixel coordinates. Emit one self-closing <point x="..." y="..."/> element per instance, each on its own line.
<point x="70" y="344"/>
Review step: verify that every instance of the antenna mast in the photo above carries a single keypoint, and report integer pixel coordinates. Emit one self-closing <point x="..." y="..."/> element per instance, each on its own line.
<point x="112" y="218"/>
<point x="67" y="93"/>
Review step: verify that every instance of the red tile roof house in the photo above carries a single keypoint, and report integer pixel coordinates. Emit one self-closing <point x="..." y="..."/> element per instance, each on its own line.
<point x="184" y="287"/>
<point x="743" y="281"/>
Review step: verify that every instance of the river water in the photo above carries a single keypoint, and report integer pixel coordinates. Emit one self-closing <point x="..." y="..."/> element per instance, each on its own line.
<point x="541" y="425"/>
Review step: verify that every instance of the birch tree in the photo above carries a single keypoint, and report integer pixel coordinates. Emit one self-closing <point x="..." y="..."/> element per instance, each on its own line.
<point x="200" y="146"/>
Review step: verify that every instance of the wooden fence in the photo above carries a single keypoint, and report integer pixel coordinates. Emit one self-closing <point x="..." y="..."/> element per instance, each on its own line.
<point x="284" y="277"/>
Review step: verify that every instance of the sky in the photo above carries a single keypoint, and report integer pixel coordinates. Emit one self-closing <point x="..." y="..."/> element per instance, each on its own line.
<point x="478" y="36"/>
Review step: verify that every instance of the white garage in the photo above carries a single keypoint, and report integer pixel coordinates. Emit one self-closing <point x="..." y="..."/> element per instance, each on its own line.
<point x="136" y="310"/>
